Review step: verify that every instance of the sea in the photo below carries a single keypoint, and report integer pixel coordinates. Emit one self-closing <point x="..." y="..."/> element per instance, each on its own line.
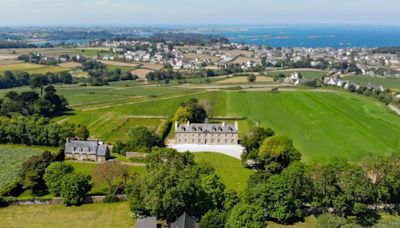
<point x="310" y="36"/>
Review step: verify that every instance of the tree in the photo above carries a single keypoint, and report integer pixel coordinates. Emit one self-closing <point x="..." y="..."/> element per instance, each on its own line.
<point x="246" y="215"/>
<point x="81" y="132"/>
<point x="190" y="111"/>
<point x="54" y="175"/>
<point x="282" y="195"/>
<point x="109" y="173"/>
<point x="251" y="78"/>
<point x="253" y="140"/>
<point x="74" y="188"/>
<point x="277" y="153"/>
<point x="33" y="169"/>
<point x="213" y="219"/>
<point x="142" y="139"/>
<point x="39" y="81"/>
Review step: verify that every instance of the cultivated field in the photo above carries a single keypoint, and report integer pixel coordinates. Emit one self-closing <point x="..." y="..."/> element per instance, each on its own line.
<point x="141" y="73"/>
<point x="70" y="64"/>
<point x="392" y="83"/>
<point x="32" y="68"/>
<point x="91" y="215"/>
<point x="11" y="159"/>
<point x="201" y="57"/>
<point x="242" y="60"/>
<point x="151" y="66"/>
<point x="236" y="53"/>
<point x="231" y="171"/>
<point x="116" y="63"/>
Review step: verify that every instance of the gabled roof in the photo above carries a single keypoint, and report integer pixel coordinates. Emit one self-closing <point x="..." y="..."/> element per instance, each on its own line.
<point x="90" y="147"/>
<point x="185" y="221"/>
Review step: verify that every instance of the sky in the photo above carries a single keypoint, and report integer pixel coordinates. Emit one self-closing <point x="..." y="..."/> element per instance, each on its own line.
<point x="157" y="12"/>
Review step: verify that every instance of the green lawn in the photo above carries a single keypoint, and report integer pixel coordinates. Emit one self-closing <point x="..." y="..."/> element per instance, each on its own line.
<point x="230" y="170"/>
<point x="11" y="159"/>
<point x="88" y="169"/>
<point x="91" y="215"/>
<point x="387" y="83"/>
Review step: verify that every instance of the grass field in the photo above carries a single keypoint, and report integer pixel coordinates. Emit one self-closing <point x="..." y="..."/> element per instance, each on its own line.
<point x="323" y="125"/>
<point x="91" y="215"/>
<point x="230" y="170"/>
<point x="307" y="73"/>
<point x="32" y="68"/>
<point x="11" y="159"/>
<point x="390" y="83"/>
<point x="88" y="169"/>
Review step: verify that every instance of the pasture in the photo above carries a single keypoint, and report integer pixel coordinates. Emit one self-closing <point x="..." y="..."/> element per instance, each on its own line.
<point x="91" y="215"/>
<point x="230" y="170"/>
<point x="32" y="68"/>
<point x="11" y="159"/>
<point x="324" y="125"/>
<point x="387" y="83"/>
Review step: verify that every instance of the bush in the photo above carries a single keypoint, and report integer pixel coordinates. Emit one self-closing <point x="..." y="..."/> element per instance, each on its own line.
<point x="213" y="219"/>
<point x="55" y="174"/>
<point x="74" y="188"/>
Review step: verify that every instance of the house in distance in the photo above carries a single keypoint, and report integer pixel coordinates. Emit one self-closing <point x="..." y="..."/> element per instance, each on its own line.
<point x="91" y="150"/>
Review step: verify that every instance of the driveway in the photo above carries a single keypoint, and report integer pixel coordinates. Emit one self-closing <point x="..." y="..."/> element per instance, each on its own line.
<point x="230" y="150"/>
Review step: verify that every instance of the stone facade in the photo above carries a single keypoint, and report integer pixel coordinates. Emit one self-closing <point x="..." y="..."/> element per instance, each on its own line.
<point x="86" y="150"/>
<point x="207" y="134"/>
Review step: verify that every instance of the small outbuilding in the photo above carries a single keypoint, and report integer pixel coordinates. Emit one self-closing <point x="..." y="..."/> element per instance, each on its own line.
<point x="91" y="150"/>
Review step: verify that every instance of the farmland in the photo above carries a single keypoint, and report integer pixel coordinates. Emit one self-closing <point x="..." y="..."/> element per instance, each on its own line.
<point x="230" y="170"/>
<point x="32" y="68"/>
<point x="91" y="215"/>
<point x="392" y="83"/>
<point x="243" y="79"/>
<point x="319" y="122"/>
<point x="11" y="159"/>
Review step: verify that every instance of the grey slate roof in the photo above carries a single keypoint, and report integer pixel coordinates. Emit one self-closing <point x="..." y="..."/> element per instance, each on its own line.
<point x="185" y="221"/>
<point x="203" y="128"/>
<point x="90" y="147"/>
<point x="148" y="222"/>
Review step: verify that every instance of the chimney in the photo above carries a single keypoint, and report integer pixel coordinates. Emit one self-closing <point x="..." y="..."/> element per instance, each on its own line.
<point x="223" y="124"/>
<point x="237" y="125"/>
<point x="176" y="125"/>
<point x="188" y="123"/>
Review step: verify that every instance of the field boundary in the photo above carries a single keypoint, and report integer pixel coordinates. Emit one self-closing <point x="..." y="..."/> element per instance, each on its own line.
<point x="58" y="201"/>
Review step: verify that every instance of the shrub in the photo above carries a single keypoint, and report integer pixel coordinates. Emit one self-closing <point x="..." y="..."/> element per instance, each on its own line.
<point x="55" y="174"/>
<point x="74" y="188"/>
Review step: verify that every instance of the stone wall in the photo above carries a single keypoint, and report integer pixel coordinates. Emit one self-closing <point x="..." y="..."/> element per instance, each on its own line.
<point x="58" y="200"/>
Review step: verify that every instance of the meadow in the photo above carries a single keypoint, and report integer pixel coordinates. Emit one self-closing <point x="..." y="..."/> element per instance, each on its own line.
<point x="390" y="83"/>
<point x="91" y="215"/>
<point x="11" y="159"/>
<point x="323" y="125"/>
<point x="230" y="170"/>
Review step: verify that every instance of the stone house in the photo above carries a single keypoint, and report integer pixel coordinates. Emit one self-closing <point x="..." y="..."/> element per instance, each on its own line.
<point x="91" y="150"/>
<point x="207" y="134"/>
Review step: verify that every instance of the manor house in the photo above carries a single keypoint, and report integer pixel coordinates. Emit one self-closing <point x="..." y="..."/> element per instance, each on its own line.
<point x="208" y="134"/>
